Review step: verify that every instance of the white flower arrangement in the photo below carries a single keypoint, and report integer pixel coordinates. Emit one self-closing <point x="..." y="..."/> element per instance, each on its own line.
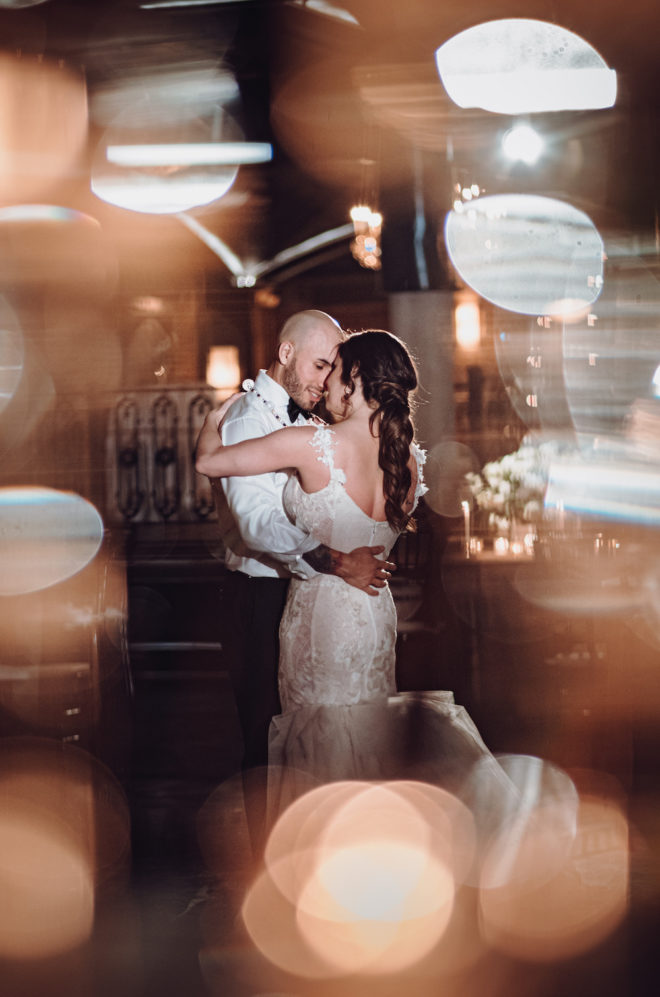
<point x="513" y="487"/>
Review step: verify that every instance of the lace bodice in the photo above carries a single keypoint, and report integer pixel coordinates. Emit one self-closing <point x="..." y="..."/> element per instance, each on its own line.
<point x="336" y="641"/>
<point x="330" y="515"/>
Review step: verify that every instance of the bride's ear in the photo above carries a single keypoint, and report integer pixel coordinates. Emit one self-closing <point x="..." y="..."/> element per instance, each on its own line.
<point x="356" y="380"/>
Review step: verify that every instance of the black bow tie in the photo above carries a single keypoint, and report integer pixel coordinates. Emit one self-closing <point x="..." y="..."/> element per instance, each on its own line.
<point x="294" y="410"/>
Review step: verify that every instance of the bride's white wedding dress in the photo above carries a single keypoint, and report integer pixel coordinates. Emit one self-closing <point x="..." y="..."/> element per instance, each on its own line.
<point x="341" y="717"/>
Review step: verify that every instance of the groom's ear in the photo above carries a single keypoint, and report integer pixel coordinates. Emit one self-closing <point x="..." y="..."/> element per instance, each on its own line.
<point x="285" y="353"/>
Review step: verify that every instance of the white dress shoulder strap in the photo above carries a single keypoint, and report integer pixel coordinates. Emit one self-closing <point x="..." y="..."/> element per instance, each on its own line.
<point x="324" y="441"/>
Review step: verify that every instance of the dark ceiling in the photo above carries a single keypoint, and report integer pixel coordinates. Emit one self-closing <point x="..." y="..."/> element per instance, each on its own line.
<point x="353" y="112"/>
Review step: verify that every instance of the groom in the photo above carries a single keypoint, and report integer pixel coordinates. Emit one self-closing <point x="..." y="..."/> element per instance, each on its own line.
<point x="263" y="548"/>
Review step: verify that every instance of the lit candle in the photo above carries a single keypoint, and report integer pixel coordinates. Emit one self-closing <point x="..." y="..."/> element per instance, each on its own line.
<point x="501" y="546"/>
<point x="465" y="506"/>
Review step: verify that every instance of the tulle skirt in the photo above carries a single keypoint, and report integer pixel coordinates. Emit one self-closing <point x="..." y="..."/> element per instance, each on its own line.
<point x="422" y="736"/>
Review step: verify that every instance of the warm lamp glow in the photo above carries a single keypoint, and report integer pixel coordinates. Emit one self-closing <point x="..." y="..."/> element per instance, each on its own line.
<point x="467" y="323"/>
<point x="223" y="369"/>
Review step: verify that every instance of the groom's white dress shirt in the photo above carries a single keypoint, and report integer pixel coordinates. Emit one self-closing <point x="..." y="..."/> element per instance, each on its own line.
<point x="260" y="539"/>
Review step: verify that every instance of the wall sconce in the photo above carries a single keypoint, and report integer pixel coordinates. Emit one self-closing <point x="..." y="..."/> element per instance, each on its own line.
<point x="223" y="370"/>
<point x="467" y="323"/>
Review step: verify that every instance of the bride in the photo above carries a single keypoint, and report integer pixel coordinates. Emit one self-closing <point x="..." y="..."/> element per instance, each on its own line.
<point x="356" y="483"/>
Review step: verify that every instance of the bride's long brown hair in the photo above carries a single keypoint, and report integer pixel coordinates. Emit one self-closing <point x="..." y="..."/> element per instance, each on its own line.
<point x="388" y="376"/>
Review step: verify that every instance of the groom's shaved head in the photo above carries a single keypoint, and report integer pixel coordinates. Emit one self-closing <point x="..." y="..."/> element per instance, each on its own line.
<point x="306" y="351"/>
<point x="311" y="322"/>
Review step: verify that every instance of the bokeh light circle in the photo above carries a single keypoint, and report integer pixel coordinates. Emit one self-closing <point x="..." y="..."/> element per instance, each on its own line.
<point x="520" y="65"/>
<point x="172" y="186"/>
<point x="529" y="254"/>
<point x="46" y="536"/>
<point x="43" y="125"/>
<point x="611" y="353"/>
<point x="57" y="248"/>
<point x="447" y="463"/>
<point x="47" y="885"/>
<point x="361" y="878"/>
<point x="344" y="925"/>
<point x="563" y="896"/>
<point x="545" y="818"/>
<point x="12" y="352"/>
<point x="64" y="836"/>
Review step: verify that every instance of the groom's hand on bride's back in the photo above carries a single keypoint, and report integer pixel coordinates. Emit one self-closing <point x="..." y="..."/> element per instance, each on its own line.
<point x="360" y="567"/>
<point x="363" y="569"/>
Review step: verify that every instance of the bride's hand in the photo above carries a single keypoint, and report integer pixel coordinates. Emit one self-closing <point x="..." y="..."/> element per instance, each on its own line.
<point x="209" y="441"/>
<point x="218" y="414"/>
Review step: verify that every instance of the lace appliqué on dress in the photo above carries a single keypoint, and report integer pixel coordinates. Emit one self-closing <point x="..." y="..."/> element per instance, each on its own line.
<point x="420" y="458"/>
<point x="324" y="441"/>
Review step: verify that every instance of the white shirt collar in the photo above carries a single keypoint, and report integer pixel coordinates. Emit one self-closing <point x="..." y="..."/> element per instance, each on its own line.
<point x="271" y="390"/>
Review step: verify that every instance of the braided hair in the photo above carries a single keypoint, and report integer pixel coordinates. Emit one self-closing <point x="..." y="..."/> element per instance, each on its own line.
<point x="388" y="375"/>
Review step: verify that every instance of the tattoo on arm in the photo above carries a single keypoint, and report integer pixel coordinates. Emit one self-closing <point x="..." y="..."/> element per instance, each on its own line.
<point x="322" y="559"/>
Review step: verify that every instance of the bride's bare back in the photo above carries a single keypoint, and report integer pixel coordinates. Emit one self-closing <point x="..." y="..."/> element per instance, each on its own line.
<point x="356" y="453"/>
